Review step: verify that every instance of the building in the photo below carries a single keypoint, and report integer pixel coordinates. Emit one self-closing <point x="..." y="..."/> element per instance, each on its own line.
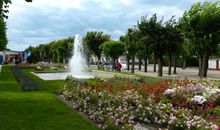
<point x="214" y="63"/>
<point x="12" y="57"/>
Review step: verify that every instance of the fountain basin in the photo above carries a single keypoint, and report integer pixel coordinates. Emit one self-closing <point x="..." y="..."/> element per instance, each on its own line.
<point x="83" y="76"/>
<point x="61" y="76"/>
<point x="52" y="76"/>
<point x="64" y="75"/>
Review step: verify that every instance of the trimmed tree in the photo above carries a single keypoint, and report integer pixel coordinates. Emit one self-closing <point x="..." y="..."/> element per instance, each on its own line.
<point x="132" y="35"/>
<point x="145" y="44"/>
<point x="113" y="49"/>
<point x="128" y="50"/>
<point x="156" y="32"/>
<point x="94" y="41"/>
<point x="201" y="24"/>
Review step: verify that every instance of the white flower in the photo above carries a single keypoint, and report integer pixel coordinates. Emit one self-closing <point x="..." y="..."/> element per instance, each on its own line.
<point x="199" y="99"/>
<point x="169" y="91"/>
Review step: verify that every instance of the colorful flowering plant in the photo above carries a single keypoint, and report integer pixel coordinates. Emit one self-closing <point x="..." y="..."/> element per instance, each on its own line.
<point x="124" y="103"/>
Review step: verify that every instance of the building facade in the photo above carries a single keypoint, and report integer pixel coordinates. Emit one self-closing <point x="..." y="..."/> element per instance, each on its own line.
<point x="12" y="57"/>
<point x="214" y="63"/>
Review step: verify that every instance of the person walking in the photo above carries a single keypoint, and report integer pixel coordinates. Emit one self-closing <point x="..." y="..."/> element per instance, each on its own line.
<point x="119" y="66"/>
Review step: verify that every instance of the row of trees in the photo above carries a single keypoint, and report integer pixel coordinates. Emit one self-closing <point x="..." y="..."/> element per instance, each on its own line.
<point x="153" y="38"/>
<point x="94" y="43"/>
<point x="201" y="26"/>
<point x="55" y="51"/>
<point x="197" y="33"/>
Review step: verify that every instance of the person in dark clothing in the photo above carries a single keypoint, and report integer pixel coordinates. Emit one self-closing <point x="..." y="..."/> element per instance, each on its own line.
<point x="119" y="66"/>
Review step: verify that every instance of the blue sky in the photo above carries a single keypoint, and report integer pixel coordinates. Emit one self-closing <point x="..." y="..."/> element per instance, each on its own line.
<point x="43" y="21"/>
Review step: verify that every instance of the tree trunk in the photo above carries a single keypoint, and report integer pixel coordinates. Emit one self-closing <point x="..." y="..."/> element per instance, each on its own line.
<point x="184" y="63"/>
<point x="139" y="65"/>
<point x="88" y="60"/>
<point x="58" y="57"/>
<point x="128" y="64"/>
<point x="99" y="59"/>
<point x="174" y="65"/>
<point x="53" y="58"/>
<point x="200" y="66"/>
<point x="169" y="65"/>
<point x="113" y="65"/>
<point x="132" y="67"/>
<point x="205" y="64"/>
<point x="160" y="66"/>
<point x="155" y="60"/>
<point x="145" y="65"/>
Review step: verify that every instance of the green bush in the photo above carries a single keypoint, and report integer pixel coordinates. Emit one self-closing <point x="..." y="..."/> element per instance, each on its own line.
<point x="216" y="111"/>
<point x="217" y="101"/>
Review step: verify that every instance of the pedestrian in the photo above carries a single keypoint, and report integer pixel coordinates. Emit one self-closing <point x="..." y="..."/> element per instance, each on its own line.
<point x="119" y="66"/>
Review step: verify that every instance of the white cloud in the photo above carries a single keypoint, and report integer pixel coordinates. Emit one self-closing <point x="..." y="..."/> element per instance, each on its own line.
<point x="126" y="2"/>
<point x="43" y="21"/>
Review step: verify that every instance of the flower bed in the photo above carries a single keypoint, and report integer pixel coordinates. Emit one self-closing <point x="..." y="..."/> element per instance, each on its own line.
<point x="123" y="104"/>
<point x="26" y="83"/>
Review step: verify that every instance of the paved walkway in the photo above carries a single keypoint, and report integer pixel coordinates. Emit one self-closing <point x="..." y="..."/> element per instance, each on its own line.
<point x="190" y="72"/>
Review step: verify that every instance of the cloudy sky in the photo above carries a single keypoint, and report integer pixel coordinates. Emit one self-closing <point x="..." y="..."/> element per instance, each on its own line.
<point x="43" y="21"/>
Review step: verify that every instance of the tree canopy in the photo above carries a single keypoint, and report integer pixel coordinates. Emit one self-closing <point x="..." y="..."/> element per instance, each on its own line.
<point x="113" y="49"/>
<point x="201" y="26"/>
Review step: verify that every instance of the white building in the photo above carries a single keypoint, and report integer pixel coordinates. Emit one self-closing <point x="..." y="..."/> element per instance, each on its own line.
<point x="214" y="64"/>
<point x="11" y="57"/>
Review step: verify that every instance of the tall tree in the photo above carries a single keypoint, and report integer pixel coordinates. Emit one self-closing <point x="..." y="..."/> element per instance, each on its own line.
<point x="173" y="38"/>
<point x="4" y="4"/>
<point x="128" y="50"/>
<point x="132" y="40"/>
<point x="203" y="28"/>
<point x="94" y="41"/>
<point x="146" y="41"/>
<point x="3" y="14"/>
<point x="3" y="37"/>
<point x="156" y="31"/>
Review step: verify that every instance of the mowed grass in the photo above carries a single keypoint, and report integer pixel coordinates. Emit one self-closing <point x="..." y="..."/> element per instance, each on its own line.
<point x="39" y="110"/>
<point x="49" y="86"/>
<point x="145" y="78"/>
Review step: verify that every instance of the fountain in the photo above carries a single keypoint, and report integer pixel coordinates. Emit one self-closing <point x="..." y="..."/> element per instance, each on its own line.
<point x="78" y="66"/>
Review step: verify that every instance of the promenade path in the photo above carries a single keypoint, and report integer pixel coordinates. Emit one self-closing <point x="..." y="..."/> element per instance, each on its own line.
<point x="190" y="72"/>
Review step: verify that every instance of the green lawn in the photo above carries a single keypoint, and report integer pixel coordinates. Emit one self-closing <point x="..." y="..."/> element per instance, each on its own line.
<point x="39" y="110"/>
<point x="49" y="86"/>
<point x="146" y="78"/>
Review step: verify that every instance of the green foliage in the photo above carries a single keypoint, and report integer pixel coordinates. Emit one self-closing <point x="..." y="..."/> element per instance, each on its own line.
<point x="216" y="111"/>
<point x="201" y="22"/>
<point x="217" y="101"/>
<point x="173" y="37"/>
<point x="132" y="37"/>
<point x="3" y="8"/>
<point x="128" y="49"/>
<point x="201" y="25"/>
<point x="94" y="41"/>
<point x="55" y="51"/>
<point x="3" y="37"/>
<point x="113" y="49"/>
<point x="3" y="12"/>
